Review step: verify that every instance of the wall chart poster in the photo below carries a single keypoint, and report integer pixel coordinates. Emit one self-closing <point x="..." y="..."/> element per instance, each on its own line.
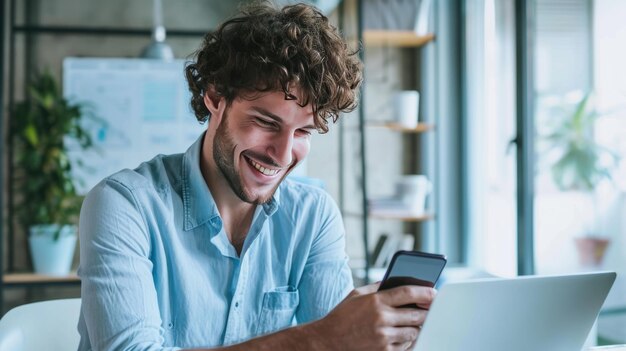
<point x="141" y="107"/>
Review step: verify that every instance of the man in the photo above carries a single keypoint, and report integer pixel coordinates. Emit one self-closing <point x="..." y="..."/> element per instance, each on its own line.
<point x="214" y="248"/>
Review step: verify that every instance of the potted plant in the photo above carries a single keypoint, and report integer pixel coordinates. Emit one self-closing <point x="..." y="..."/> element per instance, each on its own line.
<point x="580" y="166"/>
<point x="46" y="203"/>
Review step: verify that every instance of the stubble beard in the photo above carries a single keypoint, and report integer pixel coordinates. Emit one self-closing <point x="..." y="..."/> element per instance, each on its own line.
<point x="224" y="156"/>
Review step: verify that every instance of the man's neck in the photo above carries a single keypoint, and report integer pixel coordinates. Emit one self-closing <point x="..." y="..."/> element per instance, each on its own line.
<point x="236" y="214"/>
<point x="237" y="222"/>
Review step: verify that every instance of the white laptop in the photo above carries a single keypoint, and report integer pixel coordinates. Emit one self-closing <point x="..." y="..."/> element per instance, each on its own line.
<point x="534" y="313"/>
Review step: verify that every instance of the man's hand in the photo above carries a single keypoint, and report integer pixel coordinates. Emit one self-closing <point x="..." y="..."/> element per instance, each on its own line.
<point x="371" y="320"/>
<point x="365" y="320"/>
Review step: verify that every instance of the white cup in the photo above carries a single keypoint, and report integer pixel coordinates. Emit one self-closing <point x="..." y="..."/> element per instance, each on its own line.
<point x="405" y="107"/>
<point x="413" y="190"/>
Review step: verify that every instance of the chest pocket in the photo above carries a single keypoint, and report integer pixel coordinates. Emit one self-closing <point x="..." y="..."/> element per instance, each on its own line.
<point x="278" y="309"/>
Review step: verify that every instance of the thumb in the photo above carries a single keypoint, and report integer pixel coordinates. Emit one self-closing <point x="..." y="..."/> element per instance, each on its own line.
<point x="364" y="290"/>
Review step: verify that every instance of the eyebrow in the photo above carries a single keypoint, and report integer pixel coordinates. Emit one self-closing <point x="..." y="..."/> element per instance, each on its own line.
<point x="277" y="118"/>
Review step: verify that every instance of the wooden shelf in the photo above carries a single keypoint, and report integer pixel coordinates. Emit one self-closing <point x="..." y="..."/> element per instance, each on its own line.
<point x="402" y="217"/>
<point x="421" y="127"/>
<point x="38" y="279"/>
<point x="395" y="38"/>
<point x="396" y="217"/>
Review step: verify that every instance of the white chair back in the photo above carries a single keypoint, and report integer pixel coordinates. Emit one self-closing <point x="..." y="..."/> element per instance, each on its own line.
<point x="47" y="325"/>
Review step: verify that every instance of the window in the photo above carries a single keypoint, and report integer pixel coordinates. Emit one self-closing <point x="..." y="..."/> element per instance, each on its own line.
<point x="578" y="59"/>
<point x="490" y="96"/>
<point x="579" y="186"/>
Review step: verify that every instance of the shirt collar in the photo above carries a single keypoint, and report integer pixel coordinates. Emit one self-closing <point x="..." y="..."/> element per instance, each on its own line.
<point x="271" y="206"/>
<point x="198" y="203"/>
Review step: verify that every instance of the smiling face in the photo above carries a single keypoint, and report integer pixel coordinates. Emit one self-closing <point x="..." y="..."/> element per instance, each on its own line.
<point x="257" y="141"/>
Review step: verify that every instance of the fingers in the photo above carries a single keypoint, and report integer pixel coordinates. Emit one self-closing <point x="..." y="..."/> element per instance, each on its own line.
<point x="408" y="294"/>
<point x="407" y="317"/>
<point x="402" y="347"/>
<point x="387" y="324"/>
<point x="402" y="336"/>
<point x="405" y="346"/>
<point x="366" y="289"/>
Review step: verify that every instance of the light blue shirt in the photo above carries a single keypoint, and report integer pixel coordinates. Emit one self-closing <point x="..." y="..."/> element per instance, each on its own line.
<point x="158" y="271"/>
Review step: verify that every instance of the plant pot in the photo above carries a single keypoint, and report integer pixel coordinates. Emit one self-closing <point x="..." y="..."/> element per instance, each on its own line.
<point x="591" y="250"/>
<point x="50" y="256"/>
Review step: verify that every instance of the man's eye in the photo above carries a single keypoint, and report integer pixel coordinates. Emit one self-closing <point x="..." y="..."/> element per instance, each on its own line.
<point x="264" y="123"/>
<point x="304" y="132"/>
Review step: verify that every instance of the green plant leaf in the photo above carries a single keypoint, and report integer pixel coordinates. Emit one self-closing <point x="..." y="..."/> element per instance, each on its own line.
<point x="30" y="133"/>
<point x="578" y="167"/>
<point x="42" y="171"/>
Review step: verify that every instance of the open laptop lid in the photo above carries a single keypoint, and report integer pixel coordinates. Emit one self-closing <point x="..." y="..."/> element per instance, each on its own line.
<point x="550" y="313"/>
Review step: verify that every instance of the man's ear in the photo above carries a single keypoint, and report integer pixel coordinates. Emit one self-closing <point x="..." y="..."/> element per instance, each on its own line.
<point x="214" y="103"/>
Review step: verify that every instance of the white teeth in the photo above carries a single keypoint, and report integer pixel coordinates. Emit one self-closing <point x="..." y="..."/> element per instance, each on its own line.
<point x="266" y="171"/>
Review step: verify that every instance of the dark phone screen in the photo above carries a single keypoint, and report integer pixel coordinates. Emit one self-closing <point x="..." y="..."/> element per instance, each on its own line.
<point x="413" y="270"/>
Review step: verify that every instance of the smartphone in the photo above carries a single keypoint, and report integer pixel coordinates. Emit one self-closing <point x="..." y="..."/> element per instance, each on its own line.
<point x="413" y="268"/>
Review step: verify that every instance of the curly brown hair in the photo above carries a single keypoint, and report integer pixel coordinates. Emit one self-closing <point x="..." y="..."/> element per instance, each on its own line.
<point x="268" y="49"/>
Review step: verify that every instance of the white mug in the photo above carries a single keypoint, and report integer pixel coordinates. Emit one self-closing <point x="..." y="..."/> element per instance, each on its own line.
<point x="413" y="190"/>
<point x="405" y="107"/>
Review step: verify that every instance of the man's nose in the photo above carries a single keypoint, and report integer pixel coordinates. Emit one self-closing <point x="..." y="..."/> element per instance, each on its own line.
<point x="281" y="148"/>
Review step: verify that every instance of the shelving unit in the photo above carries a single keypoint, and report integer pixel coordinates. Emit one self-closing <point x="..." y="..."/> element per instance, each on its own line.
<point x="401" y="217"/>
<point x="29" y="279"/>
<point x="421" y="127"/>
<point x="394" y="217"/>
<point x="404" y="41"/>
<point x="395" y="38"/>
<point x="410" y="132"/>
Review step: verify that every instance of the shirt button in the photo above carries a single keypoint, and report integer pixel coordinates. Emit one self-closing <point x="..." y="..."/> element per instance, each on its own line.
<point x="236" y="304"/>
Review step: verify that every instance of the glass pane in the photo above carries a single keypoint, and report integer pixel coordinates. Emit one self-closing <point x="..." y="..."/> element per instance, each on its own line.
<point x="563" y="200"/>
<point x="490" y="69"/>
<point x="580" y="120"/>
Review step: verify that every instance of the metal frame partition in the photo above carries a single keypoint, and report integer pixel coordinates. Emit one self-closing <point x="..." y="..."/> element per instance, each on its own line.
<point x="2" y="138"/>
<point x="524" y="41"/>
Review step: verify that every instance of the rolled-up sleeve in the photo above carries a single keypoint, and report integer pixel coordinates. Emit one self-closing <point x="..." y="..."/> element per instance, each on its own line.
<point x="119" y="300"/>
<point x="326" y="279"/>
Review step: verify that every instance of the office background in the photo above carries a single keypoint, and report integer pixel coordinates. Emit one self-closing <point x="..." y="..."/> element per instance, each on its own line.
<point x="496" y="82"/>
